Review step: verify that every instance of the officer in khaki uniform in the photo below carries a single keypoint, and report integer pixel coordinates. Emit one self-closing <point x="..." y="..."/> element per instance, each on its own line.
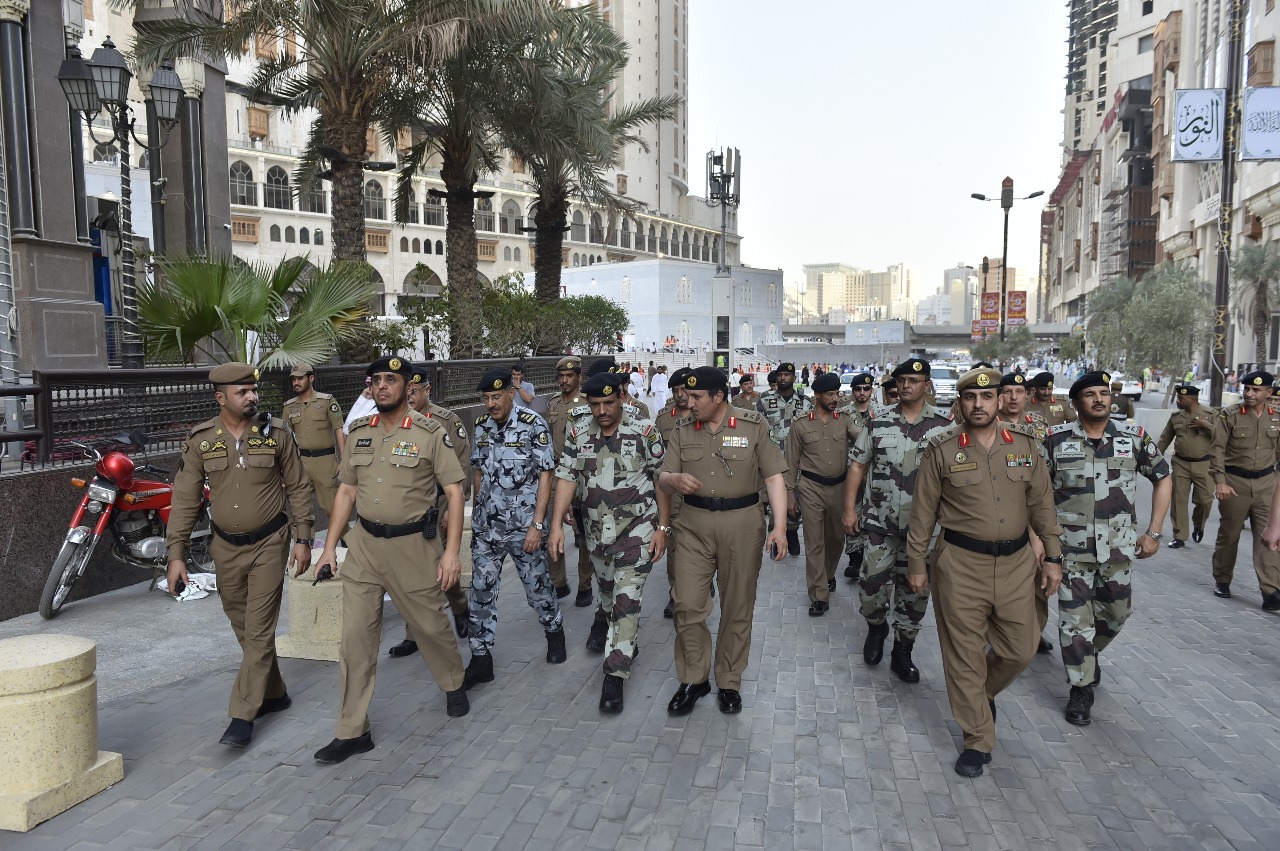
<point x="718" y="459"/>
<point x="420" y="401"/>
<point x="817" y="458"/>
<point x="315" y="419"/>
<point x="747" y="396"/>
<point x="1190" y="430"/>
<point x="985" y="483"/>
<point x="394" y="463"/>
<point x="253" y="469"/>
<point x="1121" y="405"/>
<point x="676" y="410"/>
<point x="1043" y="402"/>
<point x="1242" y="462"/>
<point x="570" y="404"/>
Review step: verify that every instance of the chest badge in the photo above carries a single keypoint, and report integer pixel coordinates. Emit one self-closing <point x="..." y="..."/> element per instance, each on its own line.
<point x="1018" y="459"/>
<point x="961" y="457"/>
<point x="732" y="442"/>
<point x="1123" y="447"/>
<point x="405" y="449"/>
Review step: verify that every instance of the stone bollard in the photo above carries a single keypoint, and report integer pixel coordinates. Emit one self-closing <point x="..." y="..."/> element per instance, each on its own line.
<point x="315" y="615"/>
<point x="49" y="757"/>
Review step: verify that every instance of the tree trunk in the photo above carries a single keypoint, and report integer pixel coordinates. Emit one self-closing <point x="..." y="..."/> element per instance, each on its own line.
<point x="348" y="191"/>
<point x="1261" y="319"/>
<point x="549" y="219"/>
<point x="466" y="325"/>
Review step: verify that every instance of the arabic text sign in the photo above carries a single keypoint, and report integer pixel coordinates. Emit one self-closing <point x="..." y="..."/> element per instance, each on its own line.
<point x="1198" y="125"/>
<point x="991" y="307"/>
<point x="1017" y="307"/>
<point x="1260" y="124"/>
<point x="975" y="331"/>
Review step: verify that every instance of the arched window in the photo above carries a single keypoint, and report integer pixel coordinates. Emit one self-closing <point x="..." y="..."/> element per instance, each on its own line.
<point x="773" y="297"/>
<point x="484" y="214"/>
<point x="413" y="207"/>
<point x="597" y="228"/>
<point x="506" y="253"/>
<point x="375" y="203"/>
<point x="576" y="260"/>
<point x="144" y="161"/>
<point x="653" y="240"/>
<point x="433" y="212"/>
<point x="626" y="232"/>
<point x="664" y="244"/>
<point x="275" y="233"/>
<point x="109" y="154"/>
<point x="511" y="221"/>
<point x="243" y="190"/>
<point x="591" y="261"/>
<point x="417" y="247"/>
<point x="684" y="244"/>
<point x="290" y="235"/>
<point x="517" y="255"/>
<point x="319" y="240"/>
<point x="426" y="246"/>
<point x="706" y="249"/>
<point x="599" y="259"/>
<point x="275" y="193"/>
<point x="579" y="227"/>
<point x="304" y="236"/>
<point x="404" y="244"/>
<point x="439" y="247"/>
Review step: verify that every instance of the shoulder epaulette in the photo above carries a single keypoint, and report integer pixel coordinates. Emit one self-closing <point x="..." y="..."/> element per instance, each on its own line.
<point x="1230" y="410"/>
<point x="362" y="421"/>
<point x="1021" y="428"/>
<point x="1061" y="428"/>
<point x="480" y="420"/>
<point x="1128" y="427"/>
<point x="290" y="401"/>
<point x="423" y="421"/>
<point x="944" y="436"/>
<point x="528" y="417"/>
<point x="210" y="423"/>
<point x="275" y="421"/>
<point x="318" y="395"/>
<point x="749" y="416"/>
<point x="684" y="421"/>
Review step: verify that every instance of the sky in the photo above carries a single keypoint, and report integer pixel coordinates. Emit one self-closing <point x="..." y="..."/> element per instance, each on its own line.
<point x="865" y="126"/>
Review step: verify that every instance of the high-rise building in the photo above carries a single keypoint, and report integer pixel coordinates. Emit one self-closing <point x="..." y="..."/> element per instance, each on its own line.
<point x="1091" y="25"/>
<point x="859" y="293"/>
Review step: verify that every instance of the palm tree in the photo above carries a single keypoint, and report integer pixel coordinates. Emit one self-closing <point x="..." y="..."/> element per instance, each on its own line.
<point x="348" y="52"/>
<point x="1255" y="273"/>
<point x="221" y="309"/>
<point x="1104" y="320"/>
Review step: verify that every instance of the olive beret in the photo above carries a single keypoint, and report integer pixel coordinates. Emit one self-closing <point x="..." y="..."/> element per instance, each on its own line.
<point x="234" y="373"/>
<point x="980" y="378"/>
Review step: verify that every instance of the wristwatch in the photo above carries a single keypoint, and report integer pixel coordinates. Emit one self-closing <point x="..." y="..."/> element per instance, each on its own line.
<point x="1053" y="559"/>
<point x="665" y="529"/>
<point x="1152" y="535"/>
<point x="541" y="527"/>
<point x="310" y="542"/>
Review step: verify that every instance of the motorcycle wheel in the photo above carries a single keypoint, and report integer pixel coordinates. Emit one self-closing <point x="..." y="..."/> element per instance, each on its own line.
<point x="198" y="558"/>
<point x="67" y="568"/>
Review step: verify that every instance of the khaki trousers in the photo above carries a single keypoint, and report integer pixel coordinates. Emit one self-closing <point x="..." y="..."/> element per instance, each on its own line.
<point x="1252" y="502"/>
<point x="322" y="470"/>
<point x="1191" y="480"/>
<point x="250" y="585"/>
<point x="405" y="568"/>
<point x="985" y="610"/>
<point x="727" y="546"/>
<point x="821" y="507"/>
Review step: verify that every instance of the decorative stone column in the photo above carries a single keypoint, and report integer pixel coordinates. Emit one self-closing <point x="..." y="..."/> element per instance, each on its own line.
<point x="191" y="72"/>
<point x="15" y="116"/>
<point x="315" y="615"/>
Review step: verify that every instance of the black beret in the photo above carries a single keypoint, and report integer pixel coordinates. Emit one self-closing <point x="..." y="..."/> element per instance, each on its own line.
<point x="1188" y="390"/>
<point x="497" y="378"/>
<point x="1012" y="379"/>
<point x="1258" y="378"/>
<point x="912" y="366"/>
<point x="603" y="384"/>
<point x="707" y="378"/>
<point x="745" y="377"/>
<point x="678" y="377"/>
<point x="862" y="379"/>
<point x="1097" y="378"/>
<point x="773" y="377"/>
<point x="1041" y="379"/>
<point x="234" y="373"/>
<point x="888" y="381"/>
<point x="419" y="374"/>
<point x="398" y="365"/>
<point x="982" y="365"/>
<point x="826" y="382"/>
<point x="608" y="364"/>
<point x="786" y="366"/>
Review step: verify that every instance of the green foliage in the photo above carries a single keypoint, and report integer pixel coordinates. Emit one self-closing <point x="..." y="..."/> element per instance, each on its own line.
<point x="1018" y="343"/>
<point x="1071" y="348"/>
<point x="1255" y="286"/>
<point x="222" y="309"/>
<point x="1153" y="322"/>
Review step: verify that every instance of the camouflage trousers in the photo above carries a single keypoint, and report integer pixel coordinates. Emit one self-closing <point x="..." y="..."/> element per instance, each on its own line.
<point x="1094" y="601"/>
<point x="487" y="557"/>
<point x="884" y="590"/>
<point x="621" y="571"/>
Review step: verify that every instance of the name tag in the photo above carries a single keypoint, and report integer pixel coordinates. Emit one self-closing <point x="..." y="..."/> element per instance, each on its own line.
<point x="364" y="442"/>
<point x="962" y="468"/>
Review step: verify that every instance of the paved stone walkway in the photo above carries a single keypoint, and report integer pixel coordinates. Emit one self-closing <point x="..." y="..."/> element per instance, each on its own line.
<point x="826" y="754"/>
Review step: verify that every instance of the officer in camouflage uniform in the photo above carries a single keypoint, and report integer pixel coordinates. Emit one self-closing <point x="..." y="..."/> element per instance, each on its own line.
<point x="780" y="407"/>
<point x="676" y="410"/>
<point x="1095" y="463"/>
<point x="1190" y="430"/>
<point x="609" y="465"/>
<point x="861" y="407"/>
<point x="889" y="448"/>
<point x="513" y="461"/>
<point x="560" y="410"/>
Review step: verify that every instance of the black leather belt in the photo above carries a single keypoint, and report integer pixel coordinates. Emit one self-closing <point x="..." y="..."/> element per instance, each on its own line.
<point x="990" y="548"/>
<point x="1250" y="474"/>
<point x="721" y="503"/>
<point x="399" y="530"/>
<point x="1191" y="460"/>
<point x="244" y="539"/>
<point x="824" y="480"/>
<point x="315" y="453"/>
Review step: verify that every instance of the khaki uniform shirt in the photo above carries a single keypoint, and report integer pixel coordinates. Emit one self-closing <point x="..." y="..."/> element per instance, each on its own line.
<point x="747" y="403"/>
<point x="731" y="462"/>
<point x="1189" y="441"/>
<point x="1055" y="412"/>
<point x="249" y="481"/>
<point x="559" y="412"/>
<point x="820" y="447"/>
<point x="313" y="422"/>
<point x="1242" y="440"/>
<point x="667" y="420"/>
<point x="989" y="494"/>
<point x="396" y="472"/>
<point x="461" y="443"/>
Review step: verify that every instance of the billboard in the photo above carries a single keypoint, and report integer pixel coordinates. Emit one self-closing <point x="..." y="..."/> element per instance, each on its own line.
<point x="1198" y="125"/>
<point x="975" y="331"/>
<point x="1260" y="124"/>
<point x="1017" y="307"/>
<point x="875" y="333"/>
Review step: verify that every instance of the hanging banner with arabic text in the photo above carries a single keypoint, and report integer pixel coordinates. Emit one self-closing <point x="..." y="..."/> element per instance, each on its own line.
<point x="1198" y="116"/>
<point x="975" y="331"/>
<point x="1017" y="307"/>
<point x="990" y="310"/>
<point x="1260" y="124"/>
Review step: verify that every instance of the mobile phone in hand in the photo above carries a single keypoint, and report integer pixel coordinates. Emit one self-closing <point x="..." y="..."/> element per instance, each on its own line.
<point x="773" y="550"/>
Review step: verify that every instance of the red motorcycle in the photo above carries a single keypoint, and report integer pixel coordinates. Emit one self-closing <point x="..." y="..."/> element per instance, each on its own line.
<point x="136" y="510"/>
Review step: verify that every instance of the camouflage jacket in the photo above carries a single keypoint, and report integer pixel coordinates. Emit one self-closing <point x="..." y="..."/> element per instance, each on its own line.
<point x="781" y="412"/>
<point x="614" y="478"/>
<point x="891" y="448"/>
<point x="850" y="411"/>
<point x="1095" y="488"/>
<point x="510" y="457"/>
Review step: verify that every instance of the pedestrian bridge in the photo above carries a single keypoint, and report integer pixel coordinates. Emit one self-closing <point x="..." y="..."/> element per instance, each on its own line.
<point x="926" y="336"/>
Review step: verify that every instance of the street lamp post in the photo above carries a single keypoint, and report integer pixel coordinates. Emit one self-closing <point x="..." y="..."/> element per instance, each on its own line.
<point x="1006" y="203"/>
<point x="724" y="190"/>
<point x="103" y="82"/>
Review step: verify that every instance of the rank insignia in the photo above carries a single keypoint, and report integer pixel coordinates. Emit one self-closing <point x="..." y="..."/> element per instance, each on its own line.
<point x="254" y="429"/>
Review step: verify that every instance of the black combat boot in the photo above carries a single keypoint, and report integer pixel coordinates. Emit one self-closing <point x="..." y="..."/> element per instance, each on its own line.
<point x="793" y="542"/>
<point x="599" y="632"/>
<point x="611" y="694"/>
<point x="873" y="647"/>
<point x="555" y="647"/>
<point x="854" y="570"/>
<point x="900" y="661"/>
<point x="1079" y="705"/>
<point x="479" y="670"/>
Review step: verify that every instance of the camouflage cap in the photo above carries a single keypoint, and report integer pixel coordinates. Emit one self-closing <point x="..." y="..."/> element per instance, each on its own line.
<point x="398" y="365"/>
<point x="234" y="373"/>
<point x="980" y="379"/>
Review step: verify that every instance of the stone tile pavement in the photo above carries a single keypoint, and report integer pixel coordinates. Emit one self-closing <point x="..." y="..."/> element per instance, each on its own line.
<point x="827" y="753"/>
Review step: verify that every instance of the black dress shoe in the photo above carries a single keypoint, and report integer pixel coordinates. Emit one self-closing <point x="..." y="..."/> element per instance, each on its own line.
<point x="1222" y="589"/>
<point x="1177" y="545"/>
<point x="274" y="704"/>
<point x="563" y="591"/>
<point x="479" y="670"/>
<point x="405" y="648"/>
<point x="670" y="611"/>
<point x="686" y="696"/>
<point x="1079" y="706"/>
<point x="1272" y="602"/>
<point x="596" y="640"/>
<point x="1197" y="535"/>
<point x="831" y="585"/>
<point x="793" y="542"/>
<point x="1044" y="647"/>
<point x="970" y="762"/>
<point x="238" y="734"/>
<point x="900" y="661"/>
<point x="730" y="701"/>
<point x="583" y="599"/>
<point x="817" y="609"/>
<point x="339" y="750"/>
<point x="456" y="702"/>
<point x="873" y="647"/>
<point x="555" y="647"/>
<point x="611" y="695"/>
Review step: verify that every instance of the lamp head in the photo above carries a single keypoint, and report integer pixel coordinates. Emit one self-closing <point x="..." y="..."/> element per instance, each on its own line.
<point x="77" y="84"/>
<point x="111" y="75"/>
<point x="166" y="93"/>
